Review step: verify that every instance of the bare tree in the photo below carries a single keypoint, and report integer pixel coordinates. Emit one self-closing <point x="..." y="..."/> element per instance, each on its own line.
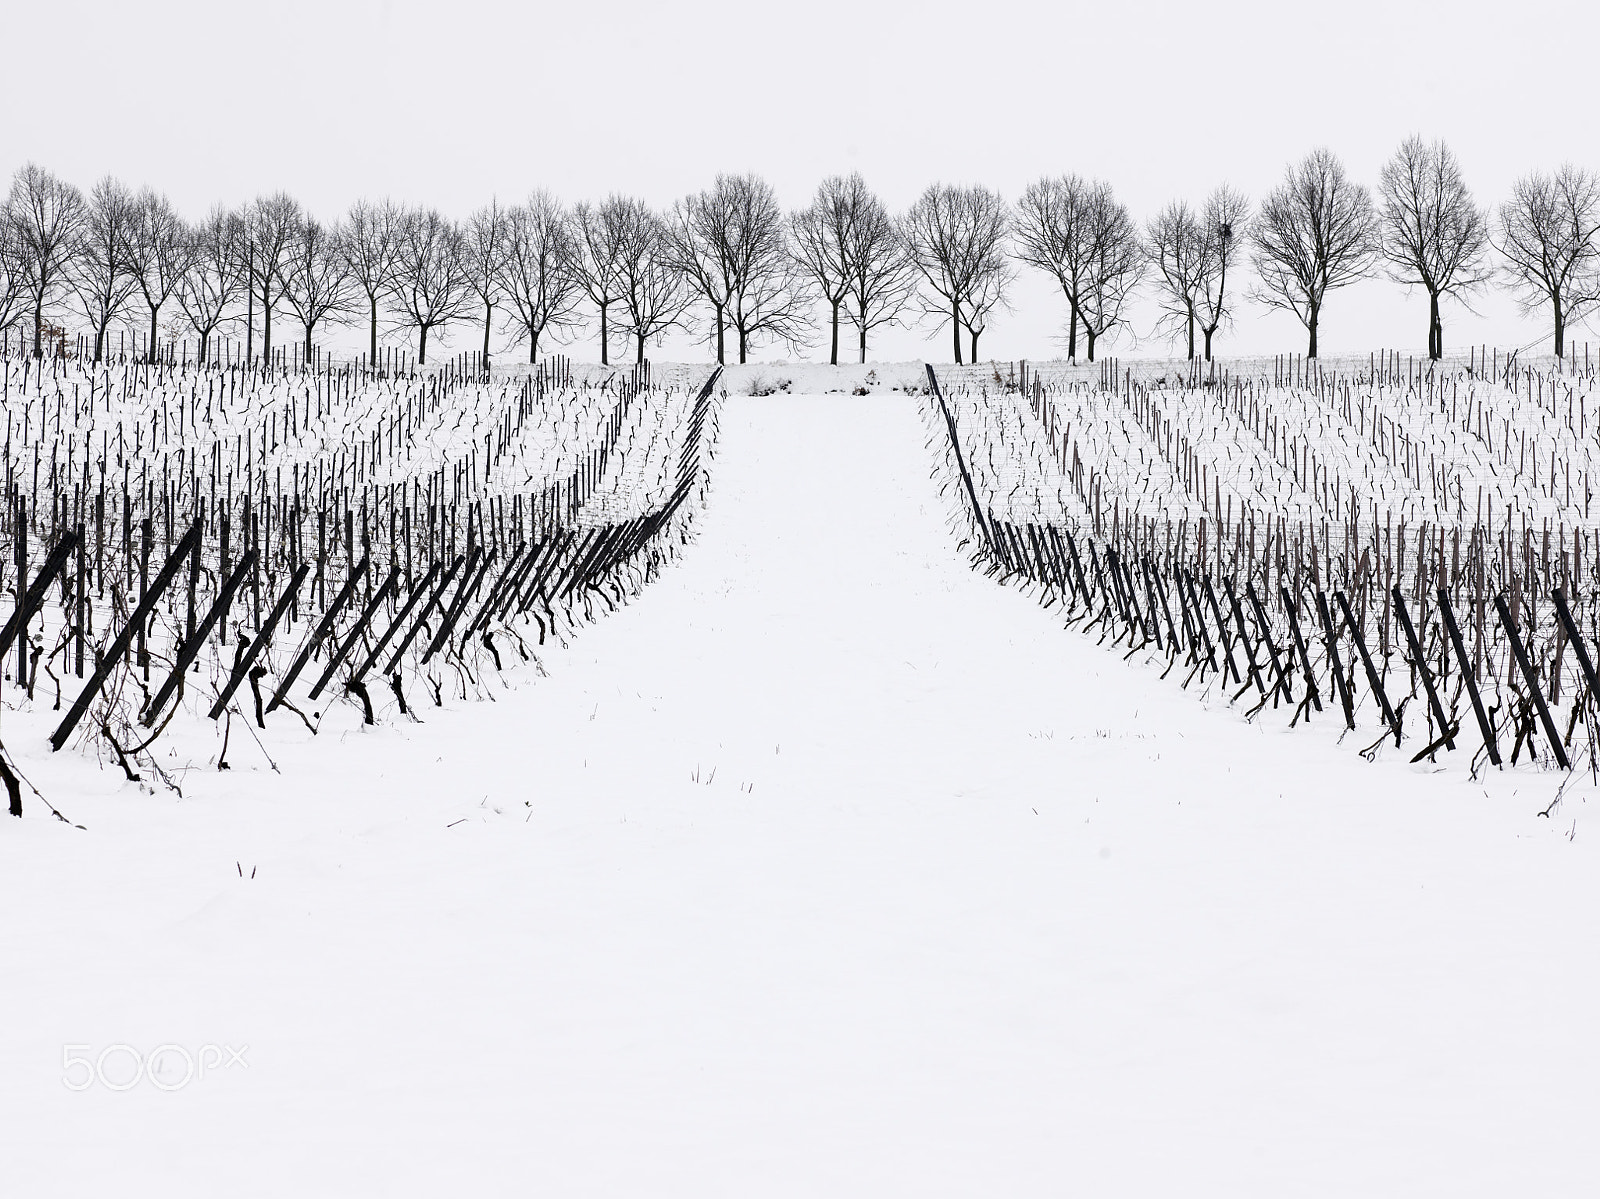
<point x="705" y="237"/>
<point x="368" y="245"/>
<point x="821" y="236"/>
<point x="98" y="272"/>
<point x="47" y="215"/>
<point x="430" y="285"/>
<point x="1075" y="230"/>
<point x="270" y="225"/>
<point x="1317" y="231"/>
<point x="1053" y="236"/>
<point x="730" y="244"/>
<point x="538" y="272"/>
<point x="1176" y="246"/>
<point x="158" y="248"/>
<point x="317" y="283"/>
<point x="882" y="276"/>
<point x="1432" y="234"/>
<point x="1224" y="232"/>
<point x="485" y="251"/>
<point x="650" y="286"/>
<point x="215" y="279"/>
<point x="12" y="284"/>
<point x="953" y="234"/>
<point x="601" y="231"/>
<point x="1548" y="236"/>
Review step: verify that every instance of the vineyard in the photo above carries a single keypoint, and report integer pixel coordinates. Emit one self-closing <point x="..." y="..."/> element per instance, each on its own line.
<point x="223" y="542"/>
<point x="1411" y="547"/>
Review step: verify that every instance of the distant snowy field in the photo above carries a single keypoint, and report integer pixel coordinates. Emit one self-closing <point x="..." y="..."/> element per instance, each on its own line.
<point x="826" y="866"/>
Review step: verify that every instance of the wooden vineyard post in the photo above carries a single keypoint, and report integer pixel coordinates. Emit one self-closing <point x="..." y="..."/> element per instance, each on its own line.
<point x="21" y="616"/>
<point x="1578" y="646"/>
<point x="1192" y="610"/>
<point x="469" y="585"/>
<point x="1373" y="681"/>
<point x="356" y="630"/>
<point x="1333" y="661"/>
<point x="324" y="626"/>
<point x="1222" y="632"/>
<point x="29" y="603"/>
<point x="1446" y="730"/>
<point x="1300" y="648"/>
<point x="418" y="593"/>
<point x="124" y="639"/>
<point x="1467" y="676"/>
<point x="1521" y="656"/>
<point x="1244" y="636"/>
<point x="1155" y="591"/>
<point x="1262" y="623"/>
<point x="427" y="609"/>
<point x="191" y="646"/>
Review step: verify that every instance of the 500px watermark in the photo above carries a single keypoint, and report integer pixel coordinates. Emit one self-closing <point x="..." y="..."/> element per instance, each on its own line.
<point x="166" y="1067"/>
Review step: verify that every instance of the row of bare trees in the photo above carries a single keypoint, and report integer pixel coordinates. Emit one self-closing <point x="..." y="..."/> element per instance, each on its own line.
<point x="730" y="263"/>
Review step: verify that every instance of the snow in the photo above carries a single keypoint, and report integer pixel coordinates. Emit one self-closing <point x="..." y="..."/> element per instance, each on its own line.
<point x="826" y="866"/>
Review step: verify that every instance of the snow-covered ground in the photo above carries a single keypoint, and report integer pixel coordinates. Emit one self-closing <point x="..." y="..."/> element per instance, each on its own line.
<point x="825" y="867"/>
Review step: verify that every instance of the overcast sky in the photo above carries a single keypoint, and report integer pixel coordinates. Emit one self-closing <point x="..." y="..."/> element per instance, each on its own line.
<point x="452" y="103"/>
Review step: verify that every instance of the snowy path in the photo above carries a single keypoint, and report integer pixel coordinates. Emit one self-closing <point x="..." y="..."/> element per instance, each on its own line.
<point x="826" y="867"/>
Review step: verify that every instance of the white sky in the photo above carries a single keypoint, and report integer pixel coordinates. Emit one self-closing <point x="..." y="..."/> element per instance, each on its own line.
<point x="451" y="103"/>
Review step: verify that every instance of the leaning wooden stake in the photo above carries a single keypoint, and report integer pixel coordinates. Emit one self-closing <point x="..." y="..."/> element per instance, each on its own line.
<point x="324" y="626"/>
<point x="113" y="656"/>
<point x="1373" y="681"/>
<point x="241" y="669"/>
<point x="1333" y="660"/>
<point x="191" y="646"/>
<point x="1454" y="632"/>
<point x="1521" y="656"/>
<point x="1421" y="662"/>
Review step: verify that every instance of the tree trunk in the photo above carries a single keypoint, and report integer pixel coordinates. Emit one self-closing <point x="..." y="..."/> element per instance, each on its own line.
<point x="309" y="327"/>
<point x="1191" y="335"/>
<point x="743" y="345"/>
<point x="1208" y="333"/>
<point x="722" y="336"/>
<point x="204" y="338"/>
<point x="99" y="342"/>
<point x="833" y="357"/>
<point x="488" y="314"/>
<point x="1435" y="329"/>
<point x="973" y="356"/>
<point x="863" y="337"/>
<point x="154" y="308"/>
<point x="1561" y="328"/>
<point x="373" y="356"/>
<point x="605" y="333"/>
<point x="249" y="322"/>
<point x="955" y="328"/>
<point x="1072" y="331"/>
<point x="1311" y="329"/>
<point x="266" y="328"/>
<point x="422" y="346"/>
<point x="640" y="358"/>
<point x="1089" y="336"/>
<point x="533" y="345"/>
<point x="38" y="325"/>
